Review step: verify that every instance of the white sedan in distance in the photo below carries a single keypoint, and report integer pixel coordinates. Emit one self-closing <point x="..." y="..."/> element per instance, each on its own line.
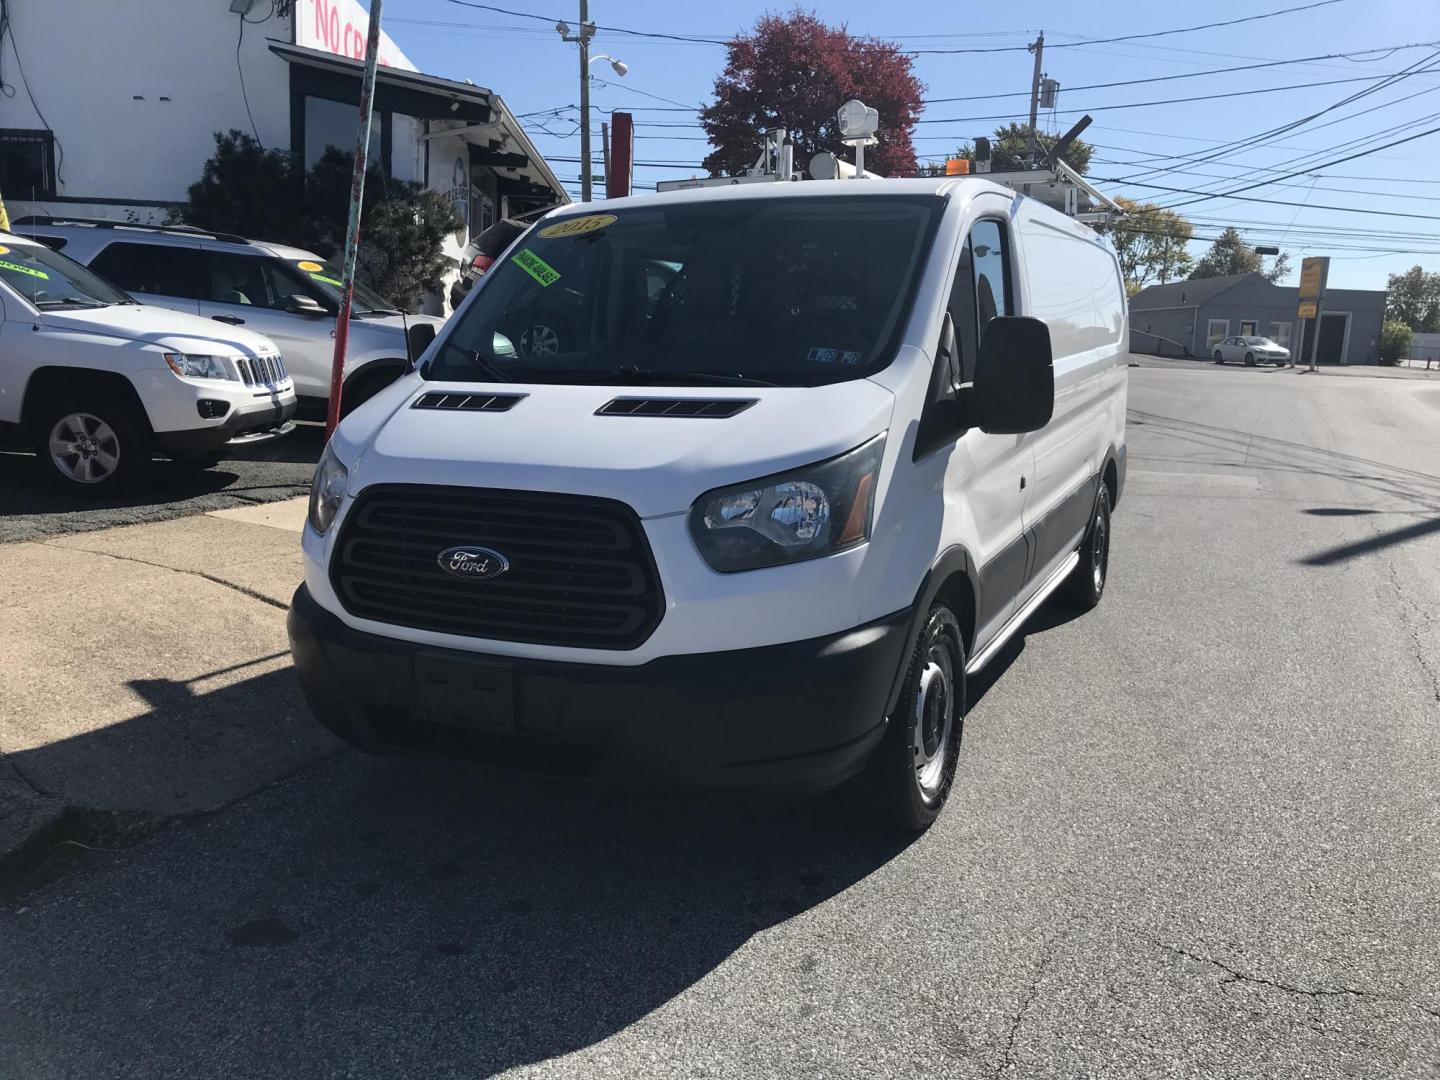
<point x="1251" y="350"/>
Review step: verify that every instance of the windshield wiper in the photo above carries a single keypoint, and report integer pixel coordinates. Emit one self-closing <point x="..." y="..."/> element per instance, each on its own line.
<point x="46" y="305"/>
<point x="716" y="378"/>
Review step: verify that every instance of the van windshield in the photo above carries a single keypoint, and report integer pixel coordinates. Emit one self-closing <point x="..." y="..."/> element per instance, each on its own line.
<point x="51" y="281"/>
<point x="792" y="291"/>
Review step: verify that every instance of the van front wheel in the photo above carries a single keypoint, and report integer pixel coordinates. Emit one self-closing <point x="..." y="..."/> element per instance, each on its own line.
<point x="910" y="776"/>
<point x="1086" y="584"/>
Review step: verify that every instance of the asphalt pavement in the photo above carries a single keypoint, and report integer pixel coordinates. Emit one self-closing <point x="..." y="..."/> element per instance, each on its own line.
<point x="1194" y="833"/>
<point x="32" y="507"/>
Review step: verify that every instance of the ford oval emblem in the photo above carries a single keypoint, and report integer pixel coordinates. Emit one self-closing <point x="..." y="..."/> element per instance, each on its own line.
<point x="472" y="561"/>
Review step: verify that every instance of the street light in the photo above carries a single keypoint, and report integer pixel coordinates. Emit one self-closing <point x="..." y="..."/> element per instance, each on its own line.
<point x="582" y="38"/>
<point x="619" y="65"/>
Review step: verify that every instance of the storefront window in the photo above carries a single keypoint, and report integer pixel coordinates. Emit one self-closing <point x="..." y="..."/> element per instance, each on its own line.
<point x="332" y="123"/>
<point x="1280" y="333"/>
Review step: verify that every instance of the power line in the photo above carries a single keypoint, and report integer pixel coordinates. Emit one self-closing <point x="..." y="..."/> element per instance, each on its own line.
<point x="1305" y="171"/>
<point x="1250" y="142"/>
<point x="1128" y="37"/>
<point x="1192" y="74"/>
<point x="552" y="20"/>
<point x="1178" y="101"/>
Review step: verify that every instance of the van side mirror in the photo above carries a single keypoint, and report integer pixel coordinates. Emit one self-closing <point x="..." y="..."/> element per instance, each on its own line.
<point x="300" y="304"/>
<point x="1014" y="388"/>
<point x="417" y="339"/>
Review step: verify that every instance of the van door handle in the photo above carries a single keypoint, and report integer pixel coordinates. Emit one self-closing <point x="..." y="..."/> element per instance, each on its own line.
<point x="1022" y="483"/>
<point x="233" y="320"/>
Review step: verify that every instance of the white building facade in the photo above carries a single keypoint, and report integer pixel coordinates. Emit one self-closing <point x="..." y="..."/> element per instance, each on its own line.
<point x="116" y="106"/>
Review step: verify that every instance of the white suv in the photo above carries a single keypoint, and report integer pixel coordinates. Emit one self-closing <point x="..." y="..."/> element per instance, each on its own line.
<point x="98" y="382"/>
<point x="288" y="294"/>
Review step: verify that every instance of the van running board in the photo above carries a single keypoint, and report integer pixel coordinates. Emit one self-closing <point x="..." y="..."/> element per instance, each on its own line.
<point x="985" y="655"/>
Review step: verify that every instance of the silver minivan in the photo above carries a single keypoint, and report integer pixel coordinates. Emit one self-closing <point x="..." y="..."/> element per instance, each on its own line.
<point x="288" y="294"/>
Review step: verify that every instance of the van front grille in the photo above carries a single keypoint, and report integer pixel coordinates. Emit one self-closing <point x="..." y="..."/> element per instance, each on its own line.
<point x="580" y="571"/>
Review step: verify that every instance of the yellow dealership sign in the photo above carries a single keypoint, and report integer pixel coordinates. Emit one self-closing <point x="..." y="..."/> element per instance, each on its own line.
<point x="1313" y="273"/>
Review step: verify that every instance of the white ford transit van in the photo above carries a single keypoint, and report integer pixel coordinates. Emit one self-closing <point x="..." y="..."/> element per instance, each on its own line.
<point x="812" y="454"/>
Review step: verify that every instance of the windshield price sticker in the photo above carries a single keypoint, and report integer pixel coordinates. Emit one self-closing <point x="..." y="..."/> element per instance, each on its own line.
<point x="310" y="266"/>
<point x="578" y="226"/>
<point x="537" y="267"/>
<point x="4" y="250"/>
<point x="326" y="280"/>
<point x="25" y="269"/>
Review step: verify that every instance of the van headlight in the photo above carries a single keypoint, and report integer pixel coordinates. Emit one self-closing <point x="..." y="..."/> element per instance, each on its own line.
<point x="201" y="366"/>
<point x="802" y="514"/>
<point x="327" y="491"/>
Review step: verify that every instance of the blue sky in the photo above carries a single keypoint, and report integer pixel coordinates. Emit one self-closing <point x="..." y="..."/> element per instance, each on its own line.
<point x="525" y="61"/>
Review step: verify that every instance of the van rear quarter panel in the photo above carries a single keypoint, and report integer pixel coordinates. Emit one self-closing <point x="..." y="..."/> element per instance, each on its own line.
<point x="1071" y="281"/>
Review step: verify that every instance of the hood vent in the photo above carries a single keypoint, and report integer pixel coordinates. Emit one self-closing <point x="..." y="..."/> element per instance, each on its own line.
<point x="468" y="402"/>
<point x="709" y="408"/>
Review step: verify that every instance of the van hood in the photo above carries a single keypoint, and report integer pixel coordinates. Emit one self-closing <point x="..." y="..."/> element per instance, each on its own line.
<point x="553" y="439"/>
<point x="159" y="326"/>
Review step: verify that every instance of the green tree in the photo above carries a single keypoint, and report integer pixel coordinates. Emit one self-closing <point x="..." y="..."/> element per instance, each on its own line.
<point x="1010" y="145"/>
<point x="1151" y="243"/>
<point x="1394" y="341"/>
<point x="794" y="72"/>
<point x="246" y="189"/>
<point x="1009" y="152"/>
<point x="1413" y="298"/>
<point x="1231" y="254"/>
<point x="261" y="193"/>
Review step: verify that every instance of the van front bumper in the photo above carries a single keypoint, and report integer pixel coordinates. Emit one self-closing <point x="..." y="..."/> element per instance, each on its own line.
<point x="799" y="717"/>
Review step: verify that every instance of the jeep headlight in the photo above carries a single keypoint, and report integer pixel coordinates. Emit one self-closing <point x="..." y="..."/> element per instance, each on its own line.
<point x="327" y="491"/>
<point x="201" y="366"/>
<point x="801" y="514"/>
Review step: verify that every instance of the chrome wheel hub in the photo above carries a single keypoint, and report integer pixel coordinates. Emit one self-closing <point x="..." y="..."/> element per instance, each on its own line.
<point x="84" y="448"/>
<point x="933" y="716"/>
<point x="1099" y="551"/>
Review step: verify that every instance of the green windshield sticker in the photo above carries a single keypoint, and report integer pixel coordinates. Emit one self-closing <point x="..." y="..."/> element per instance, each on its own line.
<point x="328" y="280"/>
<point x="536" y="267"/>
<point x="37" y="273"/>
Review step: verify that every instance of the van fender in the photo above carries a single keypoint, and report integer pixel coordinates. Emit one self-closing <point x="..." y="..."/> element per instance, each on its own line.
<point x="953" y="565"/>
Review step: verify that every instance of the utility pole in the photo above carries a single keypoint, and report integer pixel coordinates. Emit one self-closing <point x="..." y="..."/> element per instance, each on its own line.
<point x="584" y="37"/>
<point x="1038" y="48"/>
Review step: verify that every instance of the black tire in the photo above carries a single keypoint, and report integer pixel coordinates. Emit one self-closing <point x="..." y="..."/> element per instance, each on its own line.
<point x="363" y="387"/>
<point x="1249" y="359"/>
<point x="1219" y="357"/>
<point x="110" y="440"/>
<point x="1085" y="586"/>
<point x="909" y="778"/>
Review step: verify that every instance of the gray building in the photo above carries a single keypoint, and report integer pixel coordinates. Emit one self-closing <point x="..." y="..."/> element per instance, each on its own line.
<point x="1187" y="318"/>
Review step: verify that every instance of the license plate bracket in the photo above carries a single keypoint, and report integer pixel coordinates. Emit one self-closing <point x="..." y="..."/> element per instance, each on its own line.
<point x="474" y="694"/>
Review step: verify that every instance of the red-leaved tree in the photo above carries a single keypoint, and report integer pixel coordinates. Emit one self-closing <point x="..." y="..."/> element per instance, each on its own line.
<point x="795" y="72"/>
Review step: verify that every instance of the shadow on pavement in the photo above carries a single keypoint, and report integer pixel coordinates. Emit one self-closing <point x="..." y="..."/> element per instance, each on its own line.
<point x="1372" y="543"/>
<point x="391" y="916"/>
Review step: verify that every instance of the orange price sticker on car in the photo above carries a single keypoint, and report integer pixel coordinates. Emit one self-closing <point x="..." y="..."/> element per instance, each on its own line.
<point x="577" y="226"/>
<point x="310" y="266"/>
<point x="4" y="250"/>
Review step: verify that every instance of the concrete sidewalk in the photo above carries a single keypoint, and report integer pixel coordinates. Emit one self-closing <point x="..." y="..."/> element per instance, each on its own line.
<point x="147" y="673"/>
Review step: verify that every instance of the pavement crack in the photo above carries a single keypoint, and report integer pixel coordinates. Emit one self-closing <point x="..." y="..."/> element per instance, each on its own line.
<point x="1235" y="975"/>
<point x="1412" y="631"/>
<point x="241" y="589"/>
<point x="1007" y="1057"/>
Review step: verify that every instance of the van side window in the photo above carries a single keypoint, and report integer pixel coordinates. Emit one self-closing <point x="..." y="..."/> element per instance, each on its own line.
<point x="982" y="289"/>
<point x="154" y="269"/>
